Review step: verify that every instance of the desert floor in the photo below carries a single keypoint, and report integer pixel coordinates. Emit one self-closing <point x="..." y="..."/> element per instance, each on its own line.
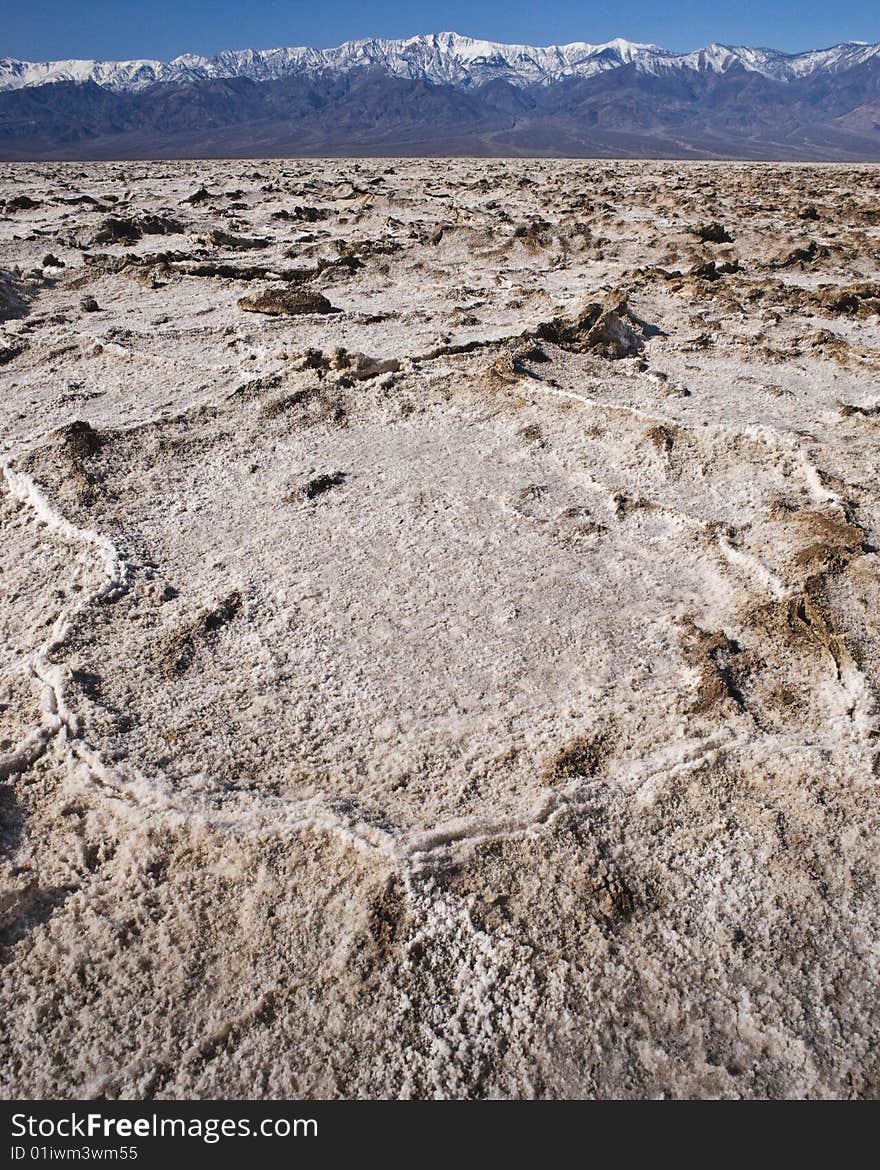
<point x="440" y="629"/>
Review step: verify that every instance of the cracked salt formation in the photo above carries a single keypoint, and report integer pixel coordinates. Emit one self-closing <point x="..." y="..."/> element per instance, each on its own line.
<point x="470" y="692"/>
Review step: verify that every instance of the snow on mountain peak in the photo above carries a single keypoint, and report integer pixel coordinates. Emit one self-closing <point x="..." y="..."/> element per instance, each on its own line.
<point x="446" y="58"/>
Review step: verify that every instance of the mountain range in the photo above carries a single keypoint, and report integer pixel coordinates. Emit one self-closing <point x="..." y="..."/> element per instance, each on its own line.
<point x="450" y="94"/>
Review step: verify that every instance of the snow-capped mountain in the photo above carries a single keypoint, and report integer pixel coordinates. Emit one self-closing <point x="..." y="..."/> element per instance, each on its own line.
<point x="441" y="58"/>
<point x="431" y="95"/>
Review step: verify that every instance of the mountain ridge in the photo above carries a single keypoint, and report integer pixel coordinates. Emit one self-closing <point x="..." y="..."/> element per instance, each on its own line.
<point x="446" y="58"/>
<point x="617" y="100"/>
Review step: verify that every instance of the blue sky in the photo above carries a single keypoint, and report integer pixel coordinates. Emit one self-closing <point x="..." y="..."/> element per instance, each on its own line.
<point x="49" y="29"/>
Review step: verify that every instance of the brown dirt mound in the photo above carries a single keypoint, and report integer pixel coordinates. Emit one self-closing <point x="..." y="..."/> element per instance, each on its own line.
<point x="285" y="302"/>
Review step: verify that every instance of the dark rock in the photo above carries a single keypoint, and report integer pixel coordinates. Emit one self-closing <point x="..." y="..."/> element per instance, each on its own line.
<point x="200" y="196"/>
<point x="22" y="203"/>
<point x="286" y="302"/>
<point x="713" y="233"/>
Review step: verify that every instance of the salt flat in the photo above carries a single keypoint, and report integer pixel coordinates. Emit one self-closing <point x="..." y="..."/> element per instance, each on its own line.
<point x="459" y="678"/>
